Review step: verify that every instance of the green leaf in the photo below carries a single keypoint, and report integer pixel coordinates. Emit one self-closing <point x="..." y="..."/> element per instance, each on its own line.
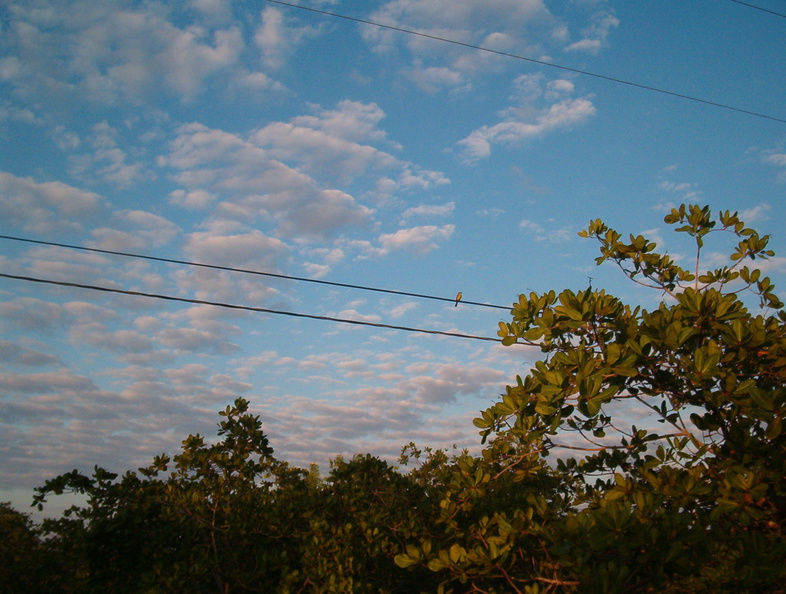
<point x="481" y="423"/>
<point x="594" y="405"/>
<point x="614" y="494"/>
<point x="545" y="408"/>
<point x="774" y="428"/>
<point x="404" y="561"/>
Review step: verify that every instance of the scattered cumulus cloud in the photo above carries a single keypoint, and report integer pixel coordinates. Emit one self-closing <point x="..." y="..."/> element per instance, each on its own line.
<point x="240" y="250"/>
<point x="258" y="187"/>
<point x="135" y="230"/>
<point x="46" y="208"/>
<point x="506" y="25"/>
<point x="522" y="27"/>
<point x="430" y="210"/>
<point x="594" y="36"/>
<point x="433" y="79"/>
<point x="401" y="310"/>
<point x="755" y="214"/>
<point x="541" y="233"/>
<point x="104" y="52"/>
<point x="776" y="159"/>
<point x="107" y="161"/>
<point x="232" y="247"/>
<point x="420" y="240"/>
<point x="278" y="36"/>
<point x="12" y="353"/>
<point x="536" y="109"/>
<point x="684" y="191"/>
<point x="353" y="314"/>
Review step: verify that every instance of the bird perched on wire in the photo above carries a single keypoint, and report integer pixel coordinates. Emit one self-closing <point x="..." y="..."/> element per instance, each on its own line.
<point x="458" y="298"/>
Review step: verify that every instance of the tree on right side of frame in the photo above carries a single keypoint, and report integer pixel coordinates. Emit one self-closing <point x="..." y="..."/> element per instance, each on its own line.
<point x="676" y="415"/>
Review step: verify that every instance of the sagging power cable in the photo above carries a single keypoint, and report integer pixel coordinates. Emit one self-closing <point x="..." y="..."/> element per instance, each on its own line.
<point x="242" y="307"/>
<point x="254" y="272"/>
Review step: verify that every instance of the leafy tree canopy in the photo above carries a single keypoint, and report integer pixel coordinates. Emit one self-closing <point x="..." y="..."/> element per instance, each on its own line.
<point x="643" y="453"/>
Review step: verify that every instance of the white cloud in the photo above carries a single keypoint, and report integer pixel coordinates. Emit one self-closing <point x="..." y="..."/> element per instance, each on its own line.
<point x="447" y="381"/>
<point x="220" y="10"/>
<point x="776" y="159"/>
<point x="655" y="236"/>
<point x="353" y="314"/>
<point x="107" y="162"/>
<point x="101" y="52"/>
<point x="595" y="35"/>
<point x="541" y="233"/>
<point x="435" y="78"/>
<point x="408" y="406"/>
<point x="527" y="117"/>
<point x="277" y="37"/>
<point x="134" y="230"/>
<point x="329" y="257"/>
<point x="508" y="25"/>
<point x="420" y="240"/>
<point x="285" y="173"/>
<point x="316" y="270"/>
<point x="71" y="266"/>
<point x="686" y="191"/>
<point x="190" y="340"/>
<point x="421" y="179"/>
<point x="237" y="250"/>
<point x="523" y="27"/>
<point x="755" y="214"/>
<point x="47" y="207"/>
<point x="353" y="120"/>
<point x="250" y="250"/>
<point x="257" y="186"/>
<point x="117" y="341"/>
<point x="12" y="353"/>
<point x="333" y="144"/>
<point x="559" y="87"/>
<point x="430" y="210"/>
<point x="49" y="382"/>
<point x="672" y="187"/>
<point x="196" y="199"/>
<point x="320" y="153"/>
<point x="404" y="308"/>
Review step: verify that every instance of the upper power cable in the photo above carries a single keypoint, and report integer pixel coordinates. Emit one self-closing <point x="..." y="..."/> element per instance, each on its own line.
<point x="533" y="60"/>
<point x="767" y="10"/>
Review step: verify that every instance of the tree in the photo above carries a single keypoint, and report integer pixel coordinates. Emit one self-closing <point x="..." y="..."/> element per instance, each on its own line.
<point x="698" y="504"/>
<point x="21" y="553"/>
<point x="229" y="517"/>
<point x="360" y="517"/>
<point x="223" y="518"/>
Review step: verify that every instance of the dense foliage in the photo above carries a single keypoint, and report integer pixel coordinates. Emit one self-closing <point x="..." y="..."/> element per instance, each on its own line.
<point x="567" y="494"/>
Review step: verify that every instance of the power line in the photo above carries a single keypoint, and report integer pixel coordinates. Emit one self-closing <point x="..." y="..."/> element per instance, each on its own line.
<point x="749" y="5"/>
<point x="247" y="271"/>
<point x="534" y="61"/>
<point x="242" y="307"/>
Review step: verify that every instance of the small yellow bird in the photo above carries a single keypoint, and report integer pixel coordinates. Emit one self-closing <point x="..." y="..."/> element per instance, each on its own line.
<point x="458" y="298"/>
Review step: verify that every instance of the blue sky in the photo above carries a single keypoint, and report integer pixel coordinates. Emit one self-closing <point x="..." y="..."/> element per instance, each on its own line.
<point x="261" y="136"/>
